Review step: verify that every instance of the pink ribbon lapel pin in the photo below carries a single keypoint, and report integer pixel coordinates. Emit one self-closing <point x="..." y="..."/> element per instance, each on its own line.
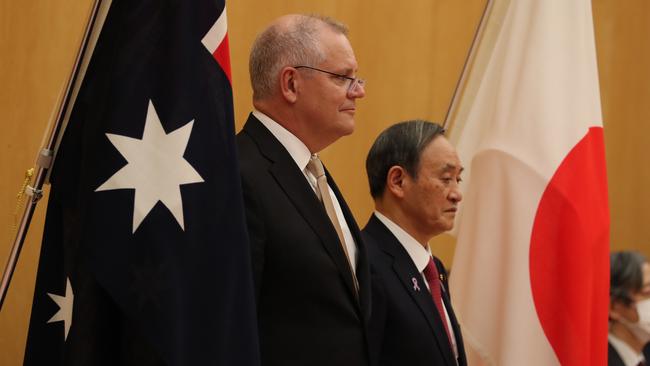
<point x="416" y="286"/>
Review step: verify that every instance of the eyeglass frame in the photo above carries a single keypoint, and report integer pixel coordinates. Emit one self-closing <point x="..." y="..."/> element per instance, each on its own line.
<point x="353" y="81"/>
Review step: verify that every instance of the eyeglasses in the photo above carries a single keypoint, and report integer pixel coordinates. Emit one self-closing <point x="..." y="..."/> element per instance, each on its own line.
<point x="354" y="82"/>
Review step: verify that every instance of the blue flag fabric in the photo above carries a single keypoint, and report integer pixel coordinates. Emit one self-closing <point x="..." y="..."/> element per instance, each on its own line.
<point x="145" y="259"/>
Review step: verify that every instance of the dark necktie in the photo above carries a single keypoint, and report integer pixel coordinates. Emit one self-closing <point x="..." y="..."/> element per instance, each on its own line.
<point x="431" y="274"/>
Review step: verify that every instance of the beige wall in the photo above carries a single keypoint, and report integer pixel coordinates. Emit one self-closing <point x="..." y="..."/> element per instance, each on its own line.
<point x="623" y="47"/>
<point x="411" y="56"/>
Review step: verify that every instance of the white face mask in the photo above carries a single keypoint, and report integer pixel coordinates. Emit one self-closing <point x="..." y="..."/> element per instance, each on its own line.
<point x="640" y="329"/>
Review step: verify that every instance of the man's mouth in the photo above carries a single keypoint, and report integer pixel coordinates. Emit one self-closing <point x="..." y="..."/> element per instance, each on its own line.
<point x="352" y="109"/>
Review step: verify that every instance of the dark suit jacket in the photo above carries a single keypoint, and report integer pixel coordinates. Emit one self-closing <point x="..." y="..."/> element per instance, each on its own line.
<point x="614" y="359"/>
<point x="405" y="327"/>
<point x="308" y="311"/>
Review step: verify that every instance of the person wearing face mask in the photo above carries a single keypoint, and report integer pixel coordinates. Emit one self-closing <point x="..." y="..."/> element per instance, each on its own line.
<point x="629" y="310"/>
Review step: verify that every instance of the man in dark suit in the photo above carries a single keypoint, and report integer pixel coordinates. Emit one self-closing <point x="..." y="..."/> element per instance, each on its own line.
<point x="629" y="310"/>
<point x="310" y="268"/>
<point x="414" y="174"/>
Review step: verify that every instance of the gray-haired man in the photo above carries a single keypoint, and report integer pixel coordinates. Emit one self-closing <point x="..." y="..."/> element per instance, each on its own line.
<point x="310" y="267"/>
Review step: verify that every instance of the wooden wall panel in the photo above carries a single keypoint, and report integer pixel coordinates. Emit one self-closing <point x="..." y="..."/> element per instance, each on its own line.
<point x="623" y="45"/>
<point x="411" y="54"/>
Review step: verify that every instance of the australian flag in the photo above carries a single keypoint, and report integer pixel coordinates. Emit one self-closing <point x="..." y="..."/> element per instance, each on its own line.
<point x="145" y="257"/>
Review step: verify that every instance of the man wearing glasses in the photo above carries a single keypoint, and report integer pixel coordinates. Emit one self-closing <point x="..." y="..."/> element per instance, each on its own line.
<point x="309" y="264"/>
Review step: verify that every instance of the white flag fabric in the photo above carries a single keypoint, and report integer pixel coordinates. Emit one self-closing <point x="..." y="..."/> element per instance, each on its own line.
<point x="530" y="275"/>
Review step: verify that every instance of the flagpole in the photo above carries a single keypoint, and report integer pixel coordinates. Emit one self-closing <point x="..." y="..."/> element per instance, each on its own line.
<point x="45" y="157"/>
<point x="471" y="55"/>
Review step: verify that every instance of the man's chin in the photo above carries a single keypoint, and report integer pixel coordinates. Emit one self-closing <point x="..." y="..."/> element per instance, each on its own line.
<point x="347" y="128"/>
<point x="448" y="225"/>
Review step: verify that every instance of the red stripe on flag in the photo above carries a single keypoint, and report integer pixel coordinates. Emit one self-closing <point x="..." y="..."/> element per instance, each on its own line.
<point x="222" y="55"/>
<point x="569" y="255"/>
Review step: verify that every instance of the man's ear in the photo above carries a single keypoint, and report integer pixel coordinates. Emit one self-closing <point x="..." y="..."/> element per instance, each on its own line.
<point x="396" y="180"/>
<point x="617" y="308"/>
<point x="289" y="84"/>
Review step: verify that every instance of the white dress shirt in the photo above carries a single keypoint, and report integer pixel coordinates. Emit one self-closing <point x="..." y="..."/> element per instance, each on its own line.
<point x="301" y="155"/>
<point x="420" y="257"/>
<point x="629" y="356"/>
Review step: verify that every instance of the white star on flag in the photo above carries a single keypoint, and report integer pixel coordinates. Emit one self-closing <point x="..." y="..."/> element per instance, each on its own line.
<point x="156" y="168"/>
<point x="65" y="308"/>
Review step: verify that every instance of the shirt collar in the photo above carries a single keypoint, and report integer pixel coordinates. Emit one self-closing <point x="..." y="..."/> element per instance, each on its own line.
<point x="419" y="255"/>
<point x="296" y="148"/>
<point x="627" y="354"/>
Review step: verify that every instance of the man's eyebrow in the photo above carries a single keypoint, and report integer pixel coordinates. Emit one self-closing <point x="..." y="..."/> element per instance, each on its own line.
<point x="346" y="71"/>
<point x="450" y="166"/>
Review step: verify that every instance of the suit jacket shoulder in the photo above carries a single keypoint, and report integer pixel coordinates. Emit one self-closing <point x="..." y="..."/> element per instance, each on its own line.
<point x="613" y="358"/>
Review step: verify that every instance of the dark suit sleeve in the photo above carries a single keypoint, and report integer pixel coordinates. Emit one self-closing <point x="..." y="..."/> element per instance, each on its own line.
<point x="378" y="313"/>
<point x="256" y="234"/>
<point x="377" y="324"/>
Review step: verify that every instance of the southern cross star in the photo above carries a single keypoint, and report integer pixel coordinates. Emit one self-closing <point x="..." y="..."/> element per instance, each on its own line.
<point x="156" y="168"/>
<point x="65" y="308"/>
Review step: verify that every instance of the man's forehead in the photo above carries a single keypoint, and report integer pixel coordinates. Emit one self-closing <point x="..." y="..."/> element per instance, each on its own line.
<point x="443" y="154"/>
<point x="336" y="45"/>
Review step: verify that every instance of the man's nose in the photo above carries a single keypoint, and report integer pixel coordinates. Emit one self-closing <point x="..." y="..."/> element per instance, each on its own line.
<point x="359" y="91"/>
<point x="455" y="195"/>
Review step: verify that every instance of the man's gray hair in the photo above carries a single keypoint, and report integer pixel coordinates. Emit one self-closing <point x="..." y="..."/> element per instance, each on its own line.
<point x="626" y="276"/>
<point x="279" y="46"/>
<point x="399" y="145"/>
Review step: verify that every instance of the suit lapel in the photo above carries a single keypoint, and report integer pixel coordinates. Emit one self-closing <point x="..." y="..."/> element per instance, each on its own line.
<point x="413" y="283"/>
<point x="446" y="298"/>
<point x="295" y="186"/>
<point x="363" y="269"/>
